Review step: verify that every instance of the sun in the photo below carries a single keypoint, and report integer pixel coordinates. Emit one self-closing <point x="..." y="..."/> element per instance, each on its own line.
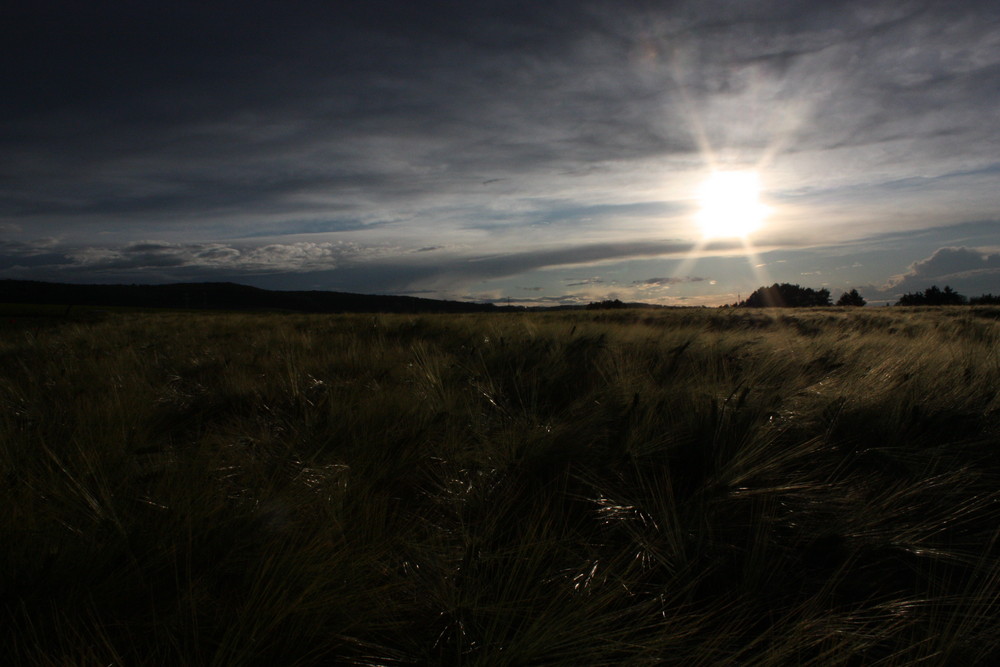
<point x="730" y="205"/>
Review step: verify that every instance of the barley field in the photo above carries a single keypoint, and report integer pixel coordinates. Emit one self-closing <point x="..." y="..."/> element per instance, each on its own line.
<point x="696" y="487"/>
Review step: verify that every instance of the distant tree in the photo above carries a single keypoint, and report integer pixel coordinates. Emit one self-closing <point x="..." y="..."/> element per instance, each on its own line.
<point x="851" y="298"/>
<point x="932" y="296"/>
<point x="607" y="303"/>
<point x="786" y="295"/>
<point x="985" y="300"/>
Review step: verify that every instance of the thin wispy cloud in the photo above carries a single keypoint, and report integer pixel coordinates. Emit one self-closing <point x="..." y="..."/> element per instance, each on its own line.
<point x="660" y="282"/>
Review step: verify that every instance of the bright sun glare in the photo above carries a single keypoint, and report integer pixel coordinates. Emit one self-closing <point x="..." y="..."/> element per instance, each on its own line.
<point x="730" y="204"/>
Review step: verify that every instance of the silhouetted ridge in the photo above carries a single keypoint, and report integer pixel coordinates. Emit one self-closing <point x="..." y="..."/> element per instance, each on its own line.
<point x="224" y="296"/>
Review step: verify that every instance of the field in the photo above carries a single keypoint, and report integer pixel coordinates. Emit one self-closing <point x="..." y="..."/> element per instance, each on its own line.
<point x="732" y="486"/>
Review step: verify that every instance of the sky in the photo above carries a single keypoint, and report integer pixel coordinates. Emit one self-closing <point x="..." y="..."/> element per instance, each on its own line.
<point x="539" y="153"/>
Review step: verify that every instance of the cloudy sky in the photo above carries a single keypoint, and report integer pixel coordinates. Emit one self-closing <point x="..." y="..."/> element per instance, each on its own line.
<point x="545" y="152"/>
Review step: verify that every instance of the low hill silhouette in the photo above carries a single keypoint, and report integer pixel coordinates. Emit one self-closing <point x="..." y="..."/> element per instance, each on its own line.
<point x="226" y="296"/>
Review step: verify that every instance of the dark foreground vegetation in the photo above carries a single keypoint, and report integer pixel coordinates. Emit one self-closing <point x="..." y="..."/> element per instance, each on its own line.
<point x="690" y="487"/>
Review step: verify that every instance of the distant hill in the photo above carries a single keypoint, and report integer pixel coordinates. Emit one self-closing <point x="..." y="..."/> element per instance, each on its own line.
<point x="225" y="296"/>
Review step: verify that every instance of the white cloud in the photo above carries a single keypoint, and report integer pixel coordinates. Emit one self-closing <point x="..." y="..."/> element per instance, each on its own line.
<point x="665" y="283"/>
<point x="954" y="265"/>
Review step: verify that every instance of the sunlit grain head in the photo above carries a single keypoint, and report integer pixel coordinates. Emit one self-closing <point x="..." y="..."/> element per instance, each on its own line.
<point x="730" y="204"/>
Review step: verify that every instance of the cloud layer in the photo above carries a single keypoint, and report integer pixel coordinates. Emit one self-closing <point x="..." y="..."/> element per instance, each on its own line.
<point x="285" y="139"/>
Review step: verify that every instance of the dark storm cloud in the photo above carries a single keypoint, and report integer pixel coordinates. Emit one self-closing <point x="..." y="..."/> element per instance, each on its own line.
<point x="172" y="261"/>
<point x="186" y="107"/>
<point x="40" y="255"/>
<point x="297" y="71"/>
<point x="187" y="84"/>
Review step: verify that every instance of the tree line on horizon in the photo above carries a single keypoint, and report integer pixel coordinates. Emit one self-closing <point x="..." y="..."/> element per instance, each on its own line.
<point x="788" y="295"/>
<point x="932" y="296"/>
